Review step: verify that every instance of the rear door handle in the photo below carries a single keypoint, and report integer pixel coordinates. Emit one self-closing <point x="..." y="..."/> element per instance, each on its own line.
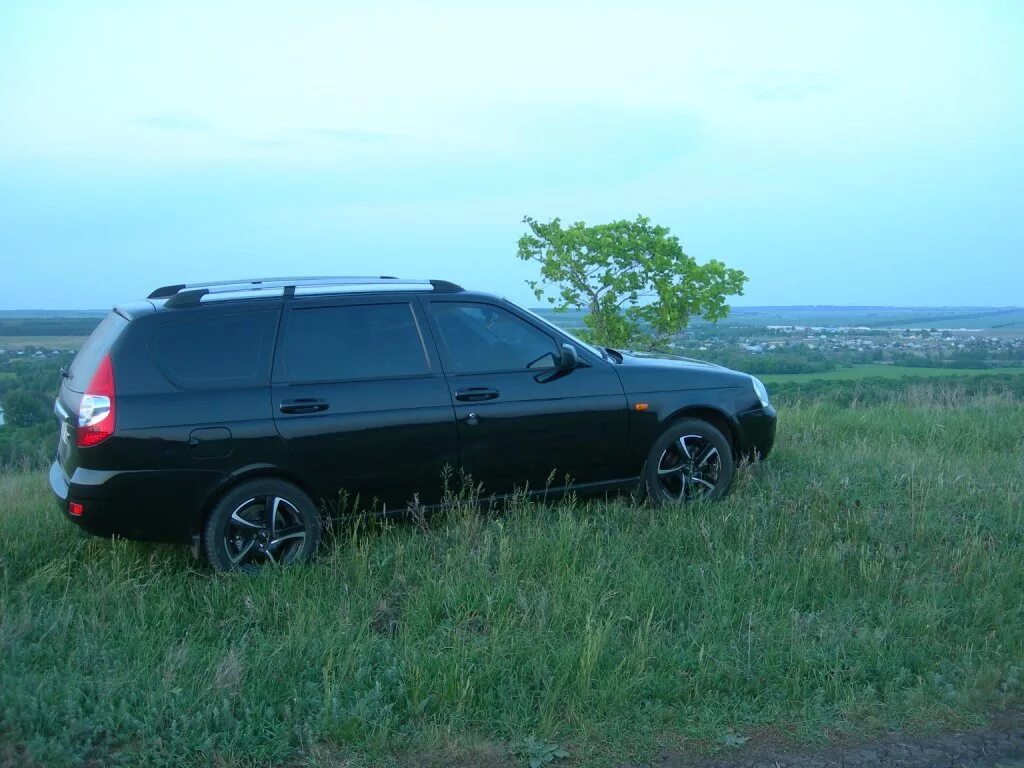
<point x="476" y="394"/>
<point x="304" y="405"/>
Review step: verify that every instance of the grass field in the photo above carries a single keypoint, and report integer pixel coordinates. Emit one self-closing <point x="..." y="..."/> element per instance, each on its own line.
<point x="868" y="576"/>
<point x="48" y="342"/>
<point x="886" y="372"/>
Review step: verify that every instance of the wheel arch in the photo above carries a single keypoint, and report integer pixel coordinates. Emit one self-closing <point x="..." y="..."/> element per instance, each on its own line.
<point x="242" y="475"/>
<point x="713" y="416"/>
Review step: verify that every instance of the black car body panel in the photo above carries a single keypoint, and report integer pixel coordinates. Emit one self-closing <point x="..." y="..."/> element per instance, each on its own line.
<point x="537" y="429"/>
<point x="381" y="395"/>
<point x="668" y="388"/>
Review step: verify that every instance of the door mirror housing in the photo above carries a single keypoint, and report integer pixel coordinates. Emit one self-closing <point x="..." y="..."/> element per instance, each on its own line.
<point x="567" y="361"/>
<point x="569" y="358"/>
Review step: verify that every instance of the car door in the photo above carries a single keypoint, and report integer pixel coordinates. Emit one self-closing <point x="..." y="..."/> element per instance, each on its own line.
<point x="520" y="422"/>
<point x="361" y="401"/>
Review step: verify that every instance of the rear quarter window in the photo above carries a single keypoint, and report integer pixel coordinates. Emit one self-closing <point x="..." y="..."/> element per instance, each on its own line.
<point x="92" y="352"/>
<point x="232" y="350"/>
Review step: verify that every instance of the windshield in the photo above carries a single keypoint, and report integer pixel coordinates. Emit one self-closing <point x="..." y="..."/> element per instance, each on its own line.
<point x="589" y="347"/>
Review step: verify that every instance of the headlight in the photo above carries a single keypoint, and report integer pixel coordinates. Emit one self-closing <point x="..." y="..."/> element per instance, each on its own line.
<point x="760" y="391"/>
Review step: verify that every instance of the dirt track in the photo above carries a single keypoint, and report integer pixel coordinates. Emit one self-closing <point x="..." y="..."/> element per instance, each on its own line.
<point x="1001" y="746"/>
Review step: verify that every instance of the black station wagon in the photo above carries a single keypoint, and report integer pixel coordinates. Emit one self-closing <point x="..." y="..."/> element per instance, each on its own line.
<point x="228" y="414"/>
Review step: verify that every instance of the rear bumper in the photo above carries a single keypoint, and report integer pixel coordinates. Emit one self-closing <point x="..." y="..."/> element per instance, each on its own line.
<point x="757" y="432"/>
<point x="59" y="487"/>
<point x="160" y="505"/>
<point x="98" y="522"/>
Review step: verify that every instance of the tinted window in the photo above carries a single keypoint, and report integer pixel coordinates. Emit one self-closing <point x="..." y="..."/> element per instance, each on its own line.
<point x="96" y="346"/>
<point x="217" y="351"/>
<point x="365" y="341"/>
<point x="478" y="338"/>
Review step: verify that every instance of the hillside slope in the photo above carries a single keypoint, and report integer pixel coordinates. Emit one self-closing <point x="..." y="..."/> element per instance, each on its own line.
<point x="868" y="576"/>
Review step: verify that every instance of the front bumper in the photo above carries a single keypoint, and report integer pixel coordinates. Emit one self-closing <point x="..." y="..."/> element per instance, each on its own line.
<point x="756" y="434"/>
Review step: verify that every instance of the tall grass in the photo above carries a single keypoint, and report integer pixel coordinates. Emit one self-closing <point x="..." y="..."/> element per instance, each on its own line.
<point x="946" y="391"/>
<point x="869" y="575"/>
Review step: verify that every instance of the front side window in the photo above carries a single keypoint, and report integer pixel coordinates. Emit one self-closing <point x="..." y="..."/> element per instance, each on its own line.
<point x="363" y="341"/>
<point x="483" y="338"/>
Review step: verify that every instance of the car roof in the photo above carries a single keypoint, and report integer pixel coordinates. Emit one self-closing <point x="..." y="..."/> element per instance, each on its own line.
<point x="187" y="294"/>
<point x="275" y="289"/>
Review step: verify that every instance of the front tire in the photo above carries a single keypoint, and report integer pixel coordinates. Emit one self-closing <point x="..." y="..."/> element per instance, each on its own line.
<point x="260" y="522"/>
<point x="691" y="461"/>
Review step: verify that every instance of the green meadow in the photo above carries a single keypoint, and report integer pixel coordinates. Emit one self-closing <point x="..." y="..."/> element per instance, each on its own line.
<point x="868" y="576"/>
<point x="886" y="372"/>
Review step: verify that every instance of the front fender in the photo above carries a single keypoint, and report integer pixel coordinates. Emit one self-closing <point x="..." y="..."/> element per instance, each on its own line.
<point x="652" y="412"/>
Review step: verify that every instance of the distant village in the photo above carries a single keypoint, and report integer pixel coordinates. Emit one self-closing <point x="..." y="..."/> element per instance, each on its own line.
<point x="858" y="344"/>
<point x="729" y="342"/>
<point x="31" y="352"/>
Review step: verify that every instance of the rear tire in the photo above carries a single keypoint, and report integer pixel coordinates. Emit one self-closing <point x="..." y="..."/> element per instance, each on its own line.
<point x="690" y="461"/>
<point x="262" y="521"/>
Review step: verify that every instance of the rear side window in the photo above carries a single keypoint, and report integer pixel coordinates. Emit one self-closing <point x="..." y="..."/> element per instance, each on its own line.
<point x="96" y="346"/>
<point x="364" y="341"/>
<point x="220" y="351"/>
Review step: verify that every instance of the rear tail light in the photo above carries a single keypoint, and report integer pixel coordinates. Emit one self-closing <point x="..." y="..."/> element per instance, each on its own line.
<point x="75" y="508"/>
<point x="97" y="412"/>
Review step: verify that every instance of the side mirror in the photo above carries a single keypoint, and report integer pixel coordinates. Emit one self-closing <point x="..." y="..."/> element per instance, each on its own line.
<point x="569" y="359"/>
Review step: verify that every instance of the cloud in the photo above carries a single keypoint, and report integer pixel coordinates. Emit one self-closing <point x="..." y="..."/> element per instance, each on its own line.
<point x="257" y="143"/>
<point x="354" y="136"/>
<point x="778" y="85"/>
<point x="788" y="86"/>
<point x="575" y="127"/>
<point x="178" y="122"/>
<point x="189" y="124"/>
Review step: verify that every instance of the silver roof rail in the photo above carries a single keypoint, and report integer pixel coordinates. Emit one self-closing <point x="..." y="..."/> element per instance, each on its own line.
<point x="170" y="290"/>
<point x="188" y="294"/>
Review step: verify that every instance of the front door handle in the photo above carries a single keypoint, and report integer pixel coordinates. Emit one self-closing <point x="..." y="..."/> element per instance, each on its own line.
<point x="476" y="394"/>
<point x="304" y="405"/>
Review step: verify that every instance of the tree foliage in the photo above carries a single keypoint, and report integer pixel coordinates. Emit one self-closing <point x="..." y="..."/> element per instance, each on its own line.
<point x="638" y="286"/>
<point x="24" y="409"/>
<point x="27" y="387"/>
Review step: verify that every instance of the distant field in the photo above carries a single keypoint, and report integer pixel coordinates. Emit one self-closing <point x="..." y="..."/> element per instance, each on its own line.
<point x="997" y="320"/>
<point x="885" y="372"/>
<point x="50" y="342"/>
<point x="41" y="327"/>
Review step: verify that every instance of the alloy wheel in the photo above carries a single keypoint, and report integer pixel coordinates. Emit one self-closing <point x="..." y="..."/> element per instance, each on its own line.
<point x="264" y="529"/>
<point x="689" y="468"/>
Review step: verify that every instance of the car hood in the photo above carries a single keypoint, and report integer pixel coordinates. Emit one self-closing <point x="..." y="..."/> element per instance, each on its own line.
<point x="652" y="372"/>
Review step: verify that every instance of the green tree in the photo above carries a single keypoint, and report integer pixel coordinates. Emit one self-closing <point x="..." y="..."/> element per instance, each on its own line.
<point x="23" y="409"/>
<point x="638" y="286"/>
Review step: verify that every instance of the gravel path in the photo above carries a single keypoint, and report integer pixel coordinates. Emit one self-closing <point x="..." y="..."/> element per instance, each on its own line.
<point x="1001" y="747"/>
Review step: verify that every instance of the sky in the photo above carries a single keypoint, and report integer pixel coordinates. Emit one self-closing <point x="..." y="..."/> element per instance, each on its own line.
<point x="838" y="152"/>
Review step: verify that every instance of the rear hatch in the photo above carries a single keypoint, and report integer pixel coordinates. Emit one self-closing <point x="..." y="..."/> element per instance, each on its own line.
<point x="75" y="381"/>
